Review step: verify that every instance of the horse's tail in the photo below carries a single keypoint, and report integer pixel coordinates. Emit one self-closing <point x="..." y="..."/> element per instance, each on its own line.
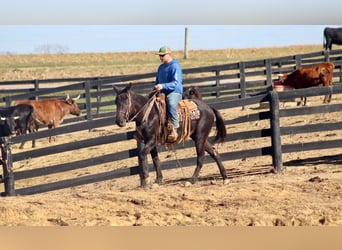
<point x="221" y="131"/>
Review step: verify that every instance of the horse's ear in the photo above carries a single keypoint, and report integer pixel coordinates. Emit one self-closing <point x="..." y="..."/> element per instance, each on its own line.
<point x="116" y="89"/>
<point x="119" y="90"/>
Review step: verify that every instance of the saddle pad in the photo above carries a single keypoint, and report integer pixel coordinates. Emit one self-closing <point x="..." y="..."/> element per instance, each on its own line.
<point x="189" y="106"/>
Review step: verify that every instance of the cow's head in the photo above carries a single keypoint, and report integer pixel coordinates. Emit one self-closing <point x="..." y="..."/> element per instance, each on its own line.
<point x="8" y="125"/>
<point x="74" y="109"/>
<point x="281" y="79"/>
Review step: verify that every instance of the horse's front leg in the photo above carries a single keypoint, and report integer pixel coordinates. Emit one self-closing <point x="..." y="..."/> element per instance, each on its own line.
<point x="156" y="164"/>
<point x="143" y="150"/>
<point x="143" y="166"/>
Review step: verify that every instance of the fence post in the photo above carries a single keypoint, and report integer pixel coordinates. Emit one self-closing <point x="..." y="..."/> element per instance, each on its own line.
<point x="242" y="81"/>
<point x="327" y="55"/>
<point x="186" y="43"/>
<point x="6" y="161"/>
<point x="217" y="74"/>
<point x="88" y="100"/>
<point x="268" y="72"/>
<point x="98" y="97"/>
<point x="275" y="132"/>
<point x="8" y="101"/>
<point x="35" y="89"/>
<point x="298" y="61"/>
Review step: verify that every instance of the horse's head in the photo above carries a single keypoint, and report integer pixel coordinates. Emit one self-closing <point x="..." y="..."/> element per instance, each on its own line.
<point x="123" y="103"/>
<point x="192" y="93"/>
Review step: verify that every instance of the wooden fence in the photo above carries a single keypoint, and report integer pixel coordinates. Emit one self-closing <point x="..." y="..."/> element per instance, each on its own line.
<point x="233" y="80"/>
<point x="233" y="85"/>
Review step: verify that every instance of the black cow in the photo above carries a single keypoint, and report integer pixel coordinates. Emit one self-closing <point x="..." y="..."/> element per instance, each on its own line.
<point x="7" y="124"/>
<point x="15" y="119"/>
<point x="332" y="36"/>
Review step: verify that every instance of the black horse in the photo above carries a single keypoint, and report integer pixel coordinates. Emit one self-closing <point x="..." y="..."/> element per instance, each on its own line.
<point x="131" y="106"/>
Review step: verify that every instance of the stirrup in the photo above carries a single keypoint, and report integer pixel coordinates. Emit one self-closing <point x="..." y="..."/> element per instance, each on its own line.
<point x="173" y="136"/>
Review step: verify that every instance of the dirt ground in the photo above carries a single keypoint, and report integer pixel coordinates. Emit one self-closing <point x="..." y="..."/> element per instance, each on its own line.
<point x="307" y="192"/>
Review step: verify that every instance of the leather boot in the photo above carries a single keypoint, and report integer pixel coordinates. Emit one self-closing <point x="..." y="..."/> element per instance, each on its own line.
<point x="172" y="137"/>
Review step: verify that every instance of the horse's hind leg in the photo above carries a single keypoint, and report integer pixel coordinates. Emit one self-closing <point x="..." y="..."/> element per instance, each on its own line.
<point x="200" y="149"/>
<point x="156" y="164"/>
<point x="215" y="155"/>
<point x="200" y="157"/>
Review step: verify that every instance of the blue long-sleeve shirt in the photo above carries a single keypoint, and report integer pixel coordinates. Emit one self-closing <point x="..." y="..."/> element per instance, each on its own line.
<point x="170" y="76"/>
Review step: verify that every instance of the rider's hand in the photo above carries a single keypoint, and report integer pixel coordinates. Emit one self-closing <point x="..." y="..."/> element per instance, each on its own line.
<point x="158" y="87"/>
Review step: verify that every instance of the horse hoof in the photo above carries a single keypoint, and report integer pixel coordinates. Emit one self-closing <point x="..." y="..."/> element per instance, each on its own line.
<point x="225" y="181"/>
<point x="145" y="187"/>
<point x="187" y="184"/>
<point x="145" y="183"/>
<point x="159" y="181"/>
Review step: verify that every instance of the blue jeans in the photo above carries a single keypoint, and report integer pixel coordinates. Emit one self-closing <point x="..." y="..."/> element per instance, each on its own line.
<point x="172" y="103"/>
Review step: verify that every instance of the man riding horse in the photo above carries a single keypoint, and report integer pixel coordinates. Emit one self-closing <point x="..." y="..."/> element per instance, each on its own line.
<point x="169" y="82"/>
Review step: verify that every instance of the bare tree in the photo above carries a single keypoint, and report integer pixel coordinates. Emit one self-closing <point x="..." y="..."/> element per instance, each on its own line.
<point x="7" y="53"/>
<point x="51" y="49"/>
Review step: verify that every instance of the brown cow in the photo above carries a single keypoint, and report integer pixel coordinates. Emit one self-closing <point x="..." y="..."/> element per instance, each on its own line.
<point x="306" y="77"/>
<point x="50" y="112"/>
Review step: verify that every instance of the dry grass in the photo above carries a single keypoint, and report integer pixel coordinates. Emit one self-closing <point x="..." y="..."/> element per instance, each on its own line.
<point x="44" y="66"/>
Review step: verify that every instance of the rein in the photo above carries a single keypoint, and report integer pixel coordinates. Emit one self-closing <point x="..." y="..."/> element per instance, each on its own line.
<point x="149" y="103"/>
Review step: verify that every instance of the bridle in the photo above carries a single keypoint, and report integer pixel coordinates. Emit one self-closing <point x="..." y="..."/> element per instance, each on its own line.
<point x="129" y="108"/>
